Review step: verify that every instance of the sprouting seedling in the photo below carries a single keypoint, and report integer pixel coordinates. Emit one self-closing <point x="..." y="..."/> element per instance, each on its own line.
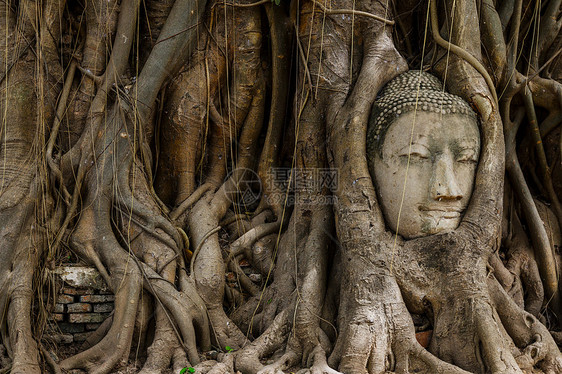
<point x="228" y="348"/>
<point x="187" y="370"/>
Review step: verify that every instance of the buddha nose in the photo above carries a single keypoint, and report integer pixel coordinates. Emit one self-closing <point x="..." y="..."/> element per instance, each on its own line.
<point x="444" y="181"/>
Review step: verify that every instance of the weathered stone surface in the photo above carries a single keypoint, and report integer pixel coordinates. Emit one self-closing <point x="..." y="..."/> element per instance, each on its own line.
<point x="65" y="299"/>
<point x="76" y="291"/>
<point x="79" y="308"/>
<point x="97" y="298"/>
<point x="81" y="277"/>
<point x="103" y="308"/>
<point x="59" y="317"/>
<point x="82" y="303"/>
<point x="85" y="318"/>
<point x="71" y="328"/>
<point x="441" y="152"/>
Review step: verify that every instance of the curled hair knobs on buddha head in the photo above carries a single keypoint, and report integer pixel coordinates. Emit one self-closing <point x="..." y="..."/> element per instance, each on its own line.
<point x="401" y="95"/>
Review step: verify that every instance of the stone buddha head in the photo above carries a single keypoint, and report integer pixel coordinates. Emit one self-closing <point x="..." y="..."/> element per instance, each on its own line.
<point x="423" y="146"/>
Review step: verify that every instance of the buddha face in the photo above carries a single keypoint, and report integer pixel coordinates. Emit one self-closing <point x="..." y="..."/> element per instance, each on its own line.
<point x="442" y="163"/>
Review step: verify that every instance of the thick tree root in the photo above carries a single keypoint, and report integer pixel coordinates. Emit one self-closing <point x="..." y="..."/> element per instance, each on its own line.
<point x="535" y="344"/>
<point x="248" y="359"/>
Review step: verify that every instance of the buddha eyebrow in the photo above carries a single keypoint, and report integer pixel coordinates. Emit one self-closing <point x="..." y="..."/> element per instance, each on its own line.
<point x="459" y="146"/>
<point x="465" y="143"/>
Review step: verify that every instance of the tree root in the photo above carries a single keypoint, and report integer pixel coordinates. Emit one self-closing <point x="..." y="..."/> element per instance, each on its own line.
<point x="248" y="358"/>
<point x="530" y="336"/>
<point x="119" y="337"/>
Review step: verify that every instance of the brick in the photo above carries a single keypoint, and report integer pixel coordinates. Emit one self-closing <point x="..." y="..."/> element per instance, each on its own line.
<point x="79" y="308"/>
<point x="71" y="328"/>
<point x="97" y="298"/>
<point x="92" y="326"/>
<point x="62" y="338"/>
<point x="65" y="299"/>
<point x="59" y="308"/>
<point x="76" y="291"/>
<point x="82" y="336"/>
<point x="59" y="317"/>
<point x="85" y="318"/>
<point x="103" y="308"/>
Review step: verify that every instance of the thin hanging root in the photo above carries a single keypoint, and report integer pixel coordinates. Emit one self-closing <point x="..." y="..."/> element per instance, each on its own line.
<point x="52" y="364"/>
<point x="459" y="51"/>
<point x="354" y="12"/>
<point x="543" y="254"/>
<point x="545" y="169"/>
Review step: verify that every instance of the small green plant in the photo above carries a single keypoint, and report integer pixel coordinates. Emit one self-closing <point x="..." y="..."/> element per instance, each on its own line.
<point x="228" y="348"/>
<point x="187" y="370"/>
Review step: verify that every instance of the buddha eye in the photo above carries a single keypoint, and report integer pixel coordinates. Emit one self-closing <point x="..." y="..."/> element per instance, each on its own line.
<point x="415" y="152"/>
<point x="467" y="156"/>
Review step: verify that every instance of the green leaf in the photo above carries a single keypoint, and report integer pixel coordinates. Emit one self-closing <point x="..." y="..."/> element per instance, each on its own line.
<point x="228" y="348"/>
<point x="191" y="370"/>
<point x="182" y="371"/>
